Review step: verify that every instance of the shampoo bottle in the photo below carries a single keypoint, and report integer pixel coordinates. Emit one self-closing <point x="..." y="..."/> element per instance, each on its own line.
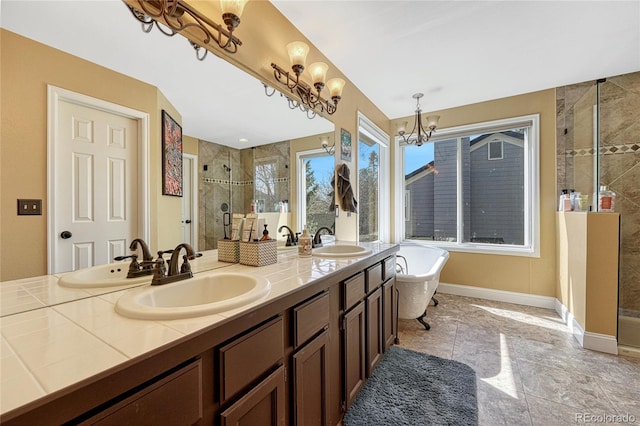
<point x="304" y="244"/>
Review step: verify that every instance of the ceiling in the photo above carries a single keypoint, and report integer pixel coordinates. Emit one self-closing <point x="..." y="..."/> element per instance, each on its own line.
<point x="455" y="52"/>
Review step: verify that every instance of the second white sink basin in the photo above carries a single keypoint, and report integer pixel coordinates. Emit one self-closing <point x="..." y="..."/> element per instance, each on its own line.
<point x="201" y="295"/>
<point x="341" y="250"/>
<point x="110" y="275"/>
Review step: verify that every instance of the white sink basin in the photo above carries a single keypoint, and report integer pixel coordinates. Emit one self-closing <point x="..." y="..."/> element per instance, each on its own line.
<point x="341" y="250"/>
<point x="203" y="294"/>
<point x="110" y="275"/>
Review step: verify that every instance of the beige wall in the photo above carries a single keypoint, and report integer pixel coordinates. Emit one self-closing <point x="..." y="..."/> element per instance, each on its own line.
<point x="27" y="67"/>
<point x="588" y="269"/>
<point x="520" y="274"/>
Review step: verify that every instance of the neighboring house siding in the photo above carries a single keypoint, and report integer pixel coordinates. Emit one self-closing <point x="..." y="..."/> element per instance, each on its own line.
<point x="421" y="218"/>
<point x="497" y="206"/>
<point x="445" y="190"/>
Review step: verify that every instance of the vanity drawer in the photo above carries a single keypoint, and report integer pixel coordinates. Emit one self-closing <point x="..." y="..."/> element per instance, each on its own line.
<point x="310" y="318"/>
<point x="389" y="268"/>
<point x="353" y="291"/>
<point x="240" y="365"/>
<point x="373" y="277"/>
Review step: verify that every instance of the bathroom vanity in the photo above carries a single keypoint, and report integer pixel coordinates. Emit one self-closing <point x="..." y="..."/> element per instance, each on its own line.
<point x="299" y="356"/>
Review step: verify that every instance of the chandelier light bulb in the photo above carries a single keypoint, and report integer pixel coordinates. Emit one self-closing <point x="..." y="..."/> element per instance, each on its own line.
<point x="432" y="121"/>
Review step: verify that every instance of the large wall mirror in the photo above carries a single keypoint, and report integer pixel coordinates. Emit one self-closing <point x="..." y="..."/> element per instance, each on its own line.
<point x="234" y="176"/>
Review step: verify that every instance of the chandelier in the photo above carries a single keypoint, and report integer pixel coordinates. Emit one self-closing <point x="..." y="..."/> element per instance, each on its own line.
<point x="180" y="17"/>
<point x="419" y="134"/>
<point x="310" y="99"/>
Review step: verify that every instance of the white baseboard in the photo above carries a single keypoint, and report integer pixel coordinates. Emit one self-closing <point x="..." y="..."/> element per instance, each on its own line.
<point x="567" y="317"/>
<point x="588" y="340"/>
<point x="600" y="342"/>
<point x="498" y="295"/>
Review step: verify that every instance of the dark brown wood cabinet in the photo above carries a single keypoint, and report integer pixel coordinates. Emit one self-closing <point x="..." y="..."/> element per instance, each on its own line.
<point x="353" y="349"/>
<point x="263" y="405"/>
<point x="299" y="359"/>
<point x="311" y="382"/>
<point x="172" y="400"/>
<point x="311" y="363"/>
<point x="375" y="344"/>
<point x="389" y="312"/>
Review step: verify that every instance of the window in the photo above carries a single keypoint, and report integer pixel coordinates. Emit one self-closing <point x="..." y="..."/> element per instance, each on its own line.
<point x="495" y="150"/>
<point x="373" y="172"/>
<point x="460" y="197"/>
<point x="315" y="192"/>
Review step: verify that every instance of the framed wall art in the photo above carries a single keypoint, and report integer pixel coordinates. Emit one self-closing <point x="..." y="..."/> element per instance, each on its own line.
<point x="171" y="156"/>
<point x="345" y="145"/>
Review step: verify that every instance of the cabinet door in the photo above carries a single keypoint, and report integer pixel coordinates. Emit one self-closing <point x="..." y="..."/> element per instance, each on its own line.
<point x="311" y="381"/>
<point x="389" y="312"/>
<point x="263" y="405"/>
<point x="353" y="344"/>
<point x="374" y="340"/>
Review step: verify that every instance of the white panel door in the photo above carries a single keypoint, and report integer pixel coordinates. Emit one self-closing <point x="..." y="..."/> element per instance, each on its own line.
<point x="96" y="207"/>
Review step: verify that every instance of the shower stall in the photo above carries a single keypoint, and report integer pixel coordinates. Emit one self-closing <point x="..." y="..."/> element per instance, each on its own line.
<point x="234" y="179"/>
<point x="599" y="144"/>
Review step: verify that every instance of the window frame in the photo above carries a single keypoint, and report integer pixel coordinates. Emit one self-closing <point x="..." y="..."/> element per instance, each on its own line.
<point x="301" y="181"/>
<point x="531" y="246"/>
<point x="377" y="135"/>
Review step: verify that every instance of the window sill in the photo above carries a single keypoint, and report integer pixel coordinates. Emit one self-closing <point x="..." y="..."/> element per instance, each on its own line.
<point x="493" y="249"/>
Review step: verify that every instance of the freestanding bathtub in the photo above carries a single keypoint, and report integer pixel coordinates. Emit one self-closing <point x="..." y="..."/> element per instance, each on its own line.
<point x="417" y="276"/>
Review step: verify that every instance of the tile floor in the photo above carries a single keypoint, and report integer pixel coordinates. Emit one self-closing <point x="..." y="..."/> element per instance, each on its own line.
<point x="530" y="370"/>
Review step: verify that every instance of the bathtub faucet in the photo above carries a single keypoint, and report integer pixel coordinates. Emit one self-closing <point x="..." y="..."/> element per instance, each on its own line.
<point x="317" y="242"/>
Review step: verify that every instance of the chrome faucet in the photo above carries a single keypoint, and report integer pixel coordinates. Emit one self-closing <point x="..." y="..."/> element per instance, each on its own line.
<point x="173" y="274"/>
<point x="138" y="269"/>
<point x="317" y="242"/>
<point x="292" y="239"/>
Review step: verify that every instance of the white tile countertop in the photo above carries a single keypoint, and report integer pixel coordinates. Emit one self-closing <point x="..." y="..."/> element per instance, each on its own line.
<point x="65" y="338"/>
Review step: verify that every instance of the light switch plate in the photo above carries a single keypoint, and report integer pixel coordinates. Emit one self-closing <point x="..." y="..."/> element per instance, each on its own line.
<point x="29" y="207"/>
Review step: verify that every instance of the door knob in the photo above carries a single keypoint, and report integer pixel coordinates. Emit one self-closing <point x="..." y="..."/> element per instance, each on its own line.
<point x="65" y="235"/>
<point x="187" y="221"/>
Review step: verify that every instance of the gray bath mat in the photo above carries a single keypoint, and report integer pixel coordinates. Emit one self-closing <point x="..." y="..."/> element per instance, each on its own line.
<point x="412" y="388"/>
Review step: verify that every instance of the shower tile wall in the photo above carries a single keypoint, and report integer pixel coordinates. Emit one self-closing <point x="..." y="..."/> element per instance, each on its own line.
<point x="620" y="169"/>
<point x="214" y="190"/>
<point x="619" y="162"/>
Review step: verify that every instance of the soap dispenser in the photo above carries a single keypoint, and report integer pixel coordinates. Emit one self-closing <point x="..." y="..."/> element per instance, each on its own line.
<point x="304" y="244"/>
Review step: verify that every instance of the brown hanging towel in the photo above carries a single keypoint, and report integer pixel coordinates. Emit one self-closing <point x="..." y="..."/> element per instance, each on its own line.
<point x="345" y="191"/>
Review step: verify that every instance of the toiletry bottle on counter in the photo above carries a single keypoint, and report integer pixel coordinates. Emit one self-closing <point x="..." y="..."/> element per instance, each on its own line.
<point x="606" y="199"/>
<point x="565" y="201"/>
<point x="304" y="244"/>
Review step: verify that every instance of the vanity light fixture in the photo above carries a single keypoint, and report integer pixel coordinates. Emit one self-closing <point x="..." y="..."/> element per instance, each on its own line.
<point x="180" y="17"/>
<point x="324" y="141"/>
<point x="293" y="104"/>
<point x="311" y="99"/>
<point x="422" y="135"/>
